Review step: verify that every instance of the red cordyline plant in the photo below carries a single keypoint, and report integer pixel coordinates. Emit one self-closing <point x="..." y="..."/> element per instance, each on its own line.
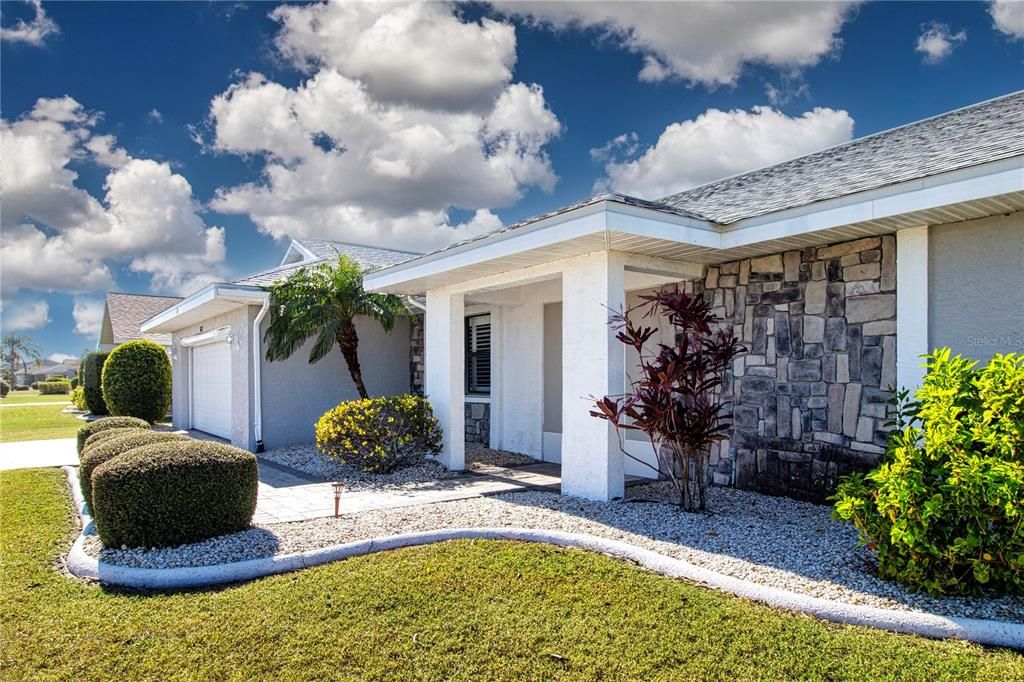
<point x="676" y="399"/>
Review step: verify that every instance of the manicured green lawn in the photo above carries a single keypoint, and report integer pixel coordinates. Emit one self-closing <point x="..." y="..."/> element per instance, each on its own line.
<point x="482" y="610"/>
<point x="16" y="397"/>
<point x="36" y="422"/>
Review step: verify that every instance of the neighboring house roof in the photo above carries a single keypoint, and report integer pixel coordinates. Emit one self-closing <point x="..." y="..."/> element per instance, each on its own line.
<point x="221" y="297"/>
<point x="320" y="250"/>
<point x="977" y="134"/>
<point x="50" y="368"/>
<point x="125" y="313"/>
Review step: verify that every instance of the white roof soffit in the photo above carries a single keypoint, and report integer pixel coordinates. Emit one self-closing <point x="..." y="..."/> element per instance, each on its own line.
<point x="989" y="189"/>
<point x="214" y="299"/>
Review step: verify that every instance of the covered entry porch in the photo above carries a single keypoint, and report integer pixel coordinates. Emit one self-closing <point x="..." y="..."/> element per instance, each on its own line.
<point x="551" y="352"/>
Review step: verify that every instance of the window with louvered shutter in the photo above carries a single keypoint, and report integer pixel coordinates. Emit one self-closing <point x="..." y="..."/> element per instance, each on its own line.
<point x="478" y="354"/>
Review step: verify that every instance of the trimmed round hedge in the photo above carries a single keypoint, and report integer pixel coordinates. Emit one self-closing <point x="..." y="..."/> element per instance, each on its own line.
<point x="173" y="493"/>
<point x="114" y="442"/>
<point x="5" y="388"/>
<point x="137" y="381"/>
<point x="108" y="423"/>
<point x="92" y="372"/>
<point x="105" y="435"/>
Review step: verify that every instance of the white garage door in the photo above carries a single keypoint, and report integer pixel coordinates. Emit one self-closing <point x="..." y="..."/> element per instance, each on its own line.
<point x="211" y="388"/>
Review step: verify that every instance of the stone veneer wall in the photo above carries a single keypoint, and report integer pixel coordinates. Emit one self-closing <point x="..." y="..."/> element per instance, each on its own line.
<point x="809" y="394"/>
<point x="478" y="415"/>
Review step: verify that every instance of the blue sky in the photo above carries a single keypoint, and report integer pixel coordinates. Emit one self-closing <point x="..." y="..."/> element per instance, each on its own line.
<point x="141" y="154"/>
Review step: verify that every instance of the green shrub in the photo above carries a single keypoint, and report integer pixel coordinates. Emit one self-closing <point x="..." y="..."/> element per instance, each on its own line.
<point x="108" y="423"/>
<point x="78" y="398"/>
<point x="137" y="381"/>
<point x="58" y="377"/>
<point x="172" y="493"/>
<point x="944" y="510"/>
<point x="116" y="442"/>
<point x="35" y="385"/>
<point x="92" y="372"/>
<point x="74" y="383"/>
<point x="5" y="388"/>
<point x="379" y="435"/>
<point x="54" y="387"/>
<point x="21" y="388"/>
<point x="105" y="435"/>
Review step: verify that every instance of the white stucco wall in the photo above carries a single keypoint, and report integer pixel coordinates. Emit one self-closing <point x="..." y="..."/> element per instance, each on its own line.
<point x="296" y="393"/>
<point x="976" y="286"/>
<point x="521" y="398"/>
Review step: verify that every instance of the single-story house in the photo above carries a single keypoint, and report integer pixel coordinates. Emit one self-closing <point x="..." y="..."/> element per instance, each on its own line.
<point x="123" y="314"/>
<point x="40" y="371"/>
<point x="837" y="270"/>
<point x="224" y="385"/>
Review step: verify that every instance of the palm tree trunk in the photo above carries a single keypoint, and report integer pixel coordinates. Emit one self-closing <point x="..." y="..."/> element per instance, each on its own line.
<point x="348" y="342"/>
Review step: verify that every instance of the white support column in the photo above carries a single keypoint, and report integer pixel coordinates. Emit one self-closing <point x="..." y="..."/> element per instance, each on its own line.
<point x="444" y="356"/>
<point x="911" y="305"/>
<point x="592" y="365"/>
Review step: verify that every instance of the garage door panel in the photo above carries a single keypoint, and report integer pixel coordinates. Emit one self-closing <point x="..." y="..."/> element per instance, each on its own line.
<point x="211" y="388"/>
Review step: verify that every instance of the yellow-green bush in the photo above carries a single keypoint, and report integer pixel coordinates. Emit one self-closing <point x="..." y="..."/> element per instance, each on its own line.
<point x="379" y="435"/>
<point x="78" y="398"/>
<point x="944" y="510"/>
<point x="54" y="387"/>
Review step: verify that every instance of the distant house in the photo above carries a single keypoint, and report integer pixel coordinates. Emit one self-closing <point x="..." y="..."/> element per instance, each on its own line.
<point x="44" y="369"/>
<point x="125" y="313"/>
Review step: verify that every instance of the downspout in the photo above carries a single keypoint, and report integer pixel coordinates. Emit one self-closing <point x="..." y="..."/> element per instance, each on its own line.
<point x="257" y="421"/>
<point x="416" y="304"/>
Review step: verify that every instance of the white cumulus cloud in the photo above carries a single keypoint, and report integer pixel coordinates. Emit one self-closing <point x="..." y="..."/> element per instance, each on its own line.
<point x="417" y="53"/>
<point x="88" y="316"/>
<point x="1008" y="16"/>
<point x="718" y="144"/>
<point x="25" y="316"/>
<point x="408" y="111"/>
<point x="32" y="32"/>
<point x="937" y="41"/>
<point x="703" y="42"/>
<point x="148" y="217"/>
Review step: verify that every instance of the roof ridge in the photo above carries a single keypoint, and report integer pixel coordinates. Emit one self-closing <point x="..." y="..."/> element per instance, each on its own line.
<point x="840" y="145"/>
<point x="360" y="245"/>
<point x="128" y="293"/>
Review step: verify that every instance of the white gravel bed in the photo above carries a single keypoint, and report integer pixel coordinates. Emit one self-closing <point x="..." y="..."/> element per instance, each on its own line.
<point x="768" y="540"/>
<point x="479" y="456"/>
<point x="307" y="459"/>
<point x="249" y="544"/>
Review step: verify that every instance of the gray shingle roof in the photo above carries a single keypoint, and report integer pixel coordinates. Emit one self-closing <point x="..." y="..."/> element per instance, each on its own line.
<point x="978" y="134"/>
<point x="369" y="257"/>
<point x="128" y="311"/>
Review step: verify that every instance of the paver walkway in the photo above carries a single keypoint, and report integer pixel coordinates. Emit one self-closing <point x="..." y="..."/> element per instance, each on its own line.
<point x="27" y="454"/>
<point x="289" y="495"/>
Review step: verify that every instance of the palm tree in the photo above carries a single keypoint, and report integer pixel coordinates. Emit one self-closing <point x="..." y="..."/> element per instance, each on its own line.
<point x="323" y="302"/>
<point x="18" y="350"/>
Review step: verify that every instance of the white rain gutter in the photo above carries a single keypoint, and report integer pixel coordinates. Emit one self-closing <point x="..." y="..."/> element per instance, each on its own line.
<point x="416" y="304"/>
<point x="257" y="421"/>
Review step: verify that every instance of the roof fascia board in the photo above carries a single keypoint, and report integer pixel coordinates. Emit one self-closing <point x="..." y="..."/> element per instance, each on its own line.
<point x="240" y="293"/>
<point x="655" y="224"/>
<point x="967" y="184"/>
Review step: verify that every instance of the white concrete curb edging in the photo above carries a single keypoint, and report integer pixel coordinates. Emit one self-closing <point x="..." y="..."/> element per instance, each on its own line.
<point x="988" y="632"/>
